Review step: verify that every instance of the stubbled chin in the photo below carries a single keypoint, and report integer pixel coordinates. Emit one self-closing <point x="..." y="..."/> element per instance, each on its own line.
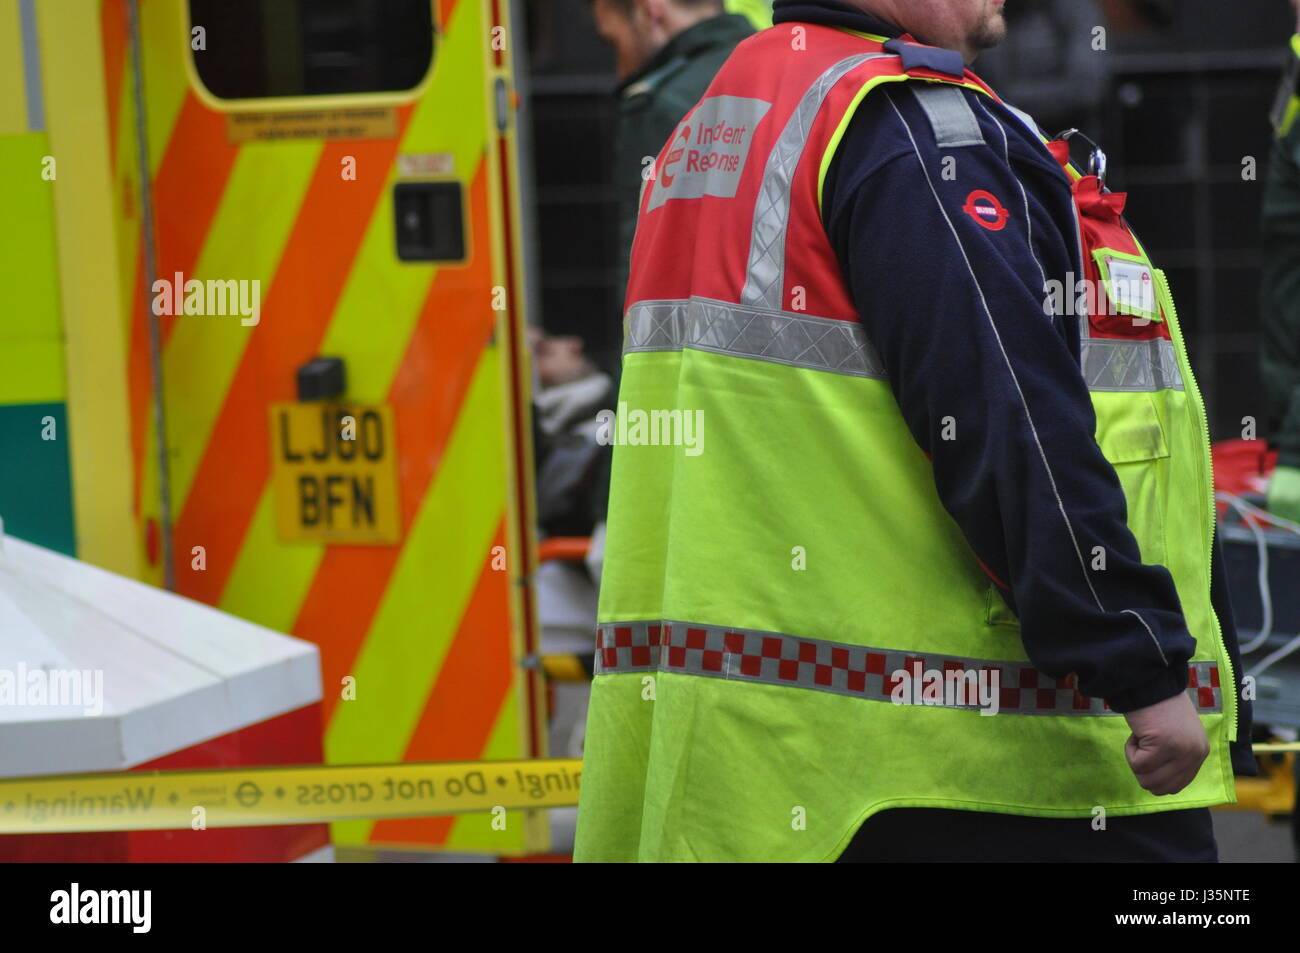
<point x="993" y="32"/>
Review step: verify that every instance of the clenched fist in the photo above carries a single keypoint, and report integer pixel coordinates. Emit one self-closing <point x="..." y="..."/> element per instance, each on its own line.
<point x="1168" y="745"/>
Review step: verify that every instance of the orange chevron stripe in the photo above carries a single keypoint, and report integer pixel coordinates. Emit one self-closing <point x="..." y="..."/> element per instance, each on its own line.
<point x="467" y="696"/>
<point x="188" y="189"/>
<point x="445" y="10"/>
<point x="113" y="29"/>
<point x="426" y="394"/>
<point x="303" y="295"/>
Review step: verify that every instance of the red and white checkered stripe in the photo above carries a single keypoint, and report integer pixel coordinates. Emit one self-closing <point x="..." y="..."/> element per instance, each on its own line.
<point x="860" y="671"/>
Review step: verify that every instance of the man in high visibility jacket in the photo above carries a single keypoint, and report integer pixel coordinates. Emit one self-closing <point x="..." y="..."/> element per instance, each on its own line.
<point x="911" y="546"/>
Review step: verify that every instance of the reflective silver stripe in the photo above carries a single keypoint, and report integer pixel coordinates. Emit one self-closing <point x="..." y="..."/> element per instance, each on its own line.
<point x="841" y="347"/>
<point x="770" y="658"/>
<point x="781" y="337"/>
<point x="951" y="117"/>
<point x="1129" y="366"/>
<point x="765" y="275"/>
<point x="32" y="66"/>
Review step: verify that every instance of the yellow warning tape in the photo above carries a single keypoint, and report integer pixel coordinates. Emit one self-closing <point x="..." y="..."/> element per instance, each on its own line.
<point x="248" y="797"/>
<point x="303" y="794"/>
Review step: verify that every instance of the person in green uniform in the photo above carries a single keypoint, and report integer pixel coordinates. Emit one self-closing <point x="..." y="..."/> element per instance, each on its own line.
<point x="1280" y="350"/>
<point x="1279" y="356"/>
<point x="667" y="52"/>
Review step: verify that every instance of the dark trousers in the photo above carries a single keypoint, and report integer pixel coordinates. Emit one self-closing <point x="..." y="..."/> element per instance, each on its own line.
<point x="933" y="835"/>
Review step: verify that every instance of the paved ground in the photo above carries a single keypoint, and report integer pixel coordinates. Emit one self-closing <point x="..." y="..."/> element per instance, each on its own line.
<point x="1250" y="838"/>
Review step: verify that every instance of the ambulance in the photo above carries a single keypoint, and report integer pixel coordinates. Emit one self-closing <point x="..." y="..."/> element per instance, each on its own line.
<point x="263" y="344"/>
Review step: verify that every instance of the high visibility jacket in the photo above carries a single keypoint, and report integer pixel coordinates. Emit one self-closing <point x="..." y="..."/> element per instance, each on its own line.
<point x="767" y="629"/>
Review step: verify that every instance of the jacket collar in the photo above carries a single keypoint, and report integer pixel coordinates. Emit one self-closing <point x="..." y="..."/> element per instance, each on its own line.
<point x="831" y="13"/>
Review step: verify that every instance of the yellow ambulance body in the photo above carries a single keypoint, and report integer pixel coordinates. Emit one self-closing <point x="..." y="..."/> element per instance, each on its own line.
<point x="202" y="199"/>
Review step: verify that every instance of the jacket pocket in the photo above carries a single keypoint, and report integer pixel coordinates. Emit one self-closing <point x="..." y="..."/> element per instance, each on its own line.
<point x="1134" y="441"/>
<point x="1132" y="438"/>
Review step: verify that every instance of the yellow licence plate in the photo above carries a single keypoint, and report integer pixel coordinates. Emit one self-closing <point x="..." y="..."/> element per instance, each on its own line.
<point x="335" y="473"/>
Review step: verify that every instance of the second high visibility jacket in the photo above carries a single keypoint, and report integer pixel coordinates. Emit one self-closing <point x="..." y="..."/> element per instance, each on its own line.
<point x="788" y="612"/>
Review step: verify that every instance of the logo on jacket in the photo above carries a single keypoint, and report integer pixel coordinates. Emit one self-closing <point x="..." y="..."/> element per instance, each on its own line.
<point x="675" y="156"/>
<point x="985" y="208"/>
<point x="708" y="152"/>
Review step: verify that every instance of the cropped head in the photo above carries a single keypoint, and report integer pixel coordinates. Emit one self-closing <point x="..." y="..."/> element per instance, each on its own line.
<point x="638" y="29"/>
<point x="968" y="26"/>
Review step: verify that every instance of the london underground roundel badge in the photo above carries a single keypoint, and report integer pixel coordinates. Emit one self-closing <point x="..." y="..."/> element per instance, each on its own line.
<point x="985" y="208"/>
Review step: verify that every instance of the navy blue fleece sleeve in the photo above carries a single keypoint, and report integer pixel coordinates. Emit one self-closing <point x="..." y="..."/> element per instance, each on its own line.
<point x="947" y="252"/>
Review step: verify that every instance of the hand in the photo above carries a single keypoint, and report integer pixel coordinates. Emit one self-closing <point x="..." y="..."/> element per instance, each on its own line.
<point x="1167" y="746"/>
<point x="1284" y="493"/>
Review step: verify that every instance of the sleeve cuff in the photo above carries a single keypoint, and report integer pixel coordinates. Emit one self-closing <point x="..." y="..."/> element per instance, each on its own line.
<point x="1168" y="684"/>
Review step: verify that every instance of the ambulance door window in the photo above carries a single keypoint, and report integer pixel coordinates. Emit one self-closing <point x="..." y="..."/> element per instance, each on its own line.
<point x="254" y="49"/>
